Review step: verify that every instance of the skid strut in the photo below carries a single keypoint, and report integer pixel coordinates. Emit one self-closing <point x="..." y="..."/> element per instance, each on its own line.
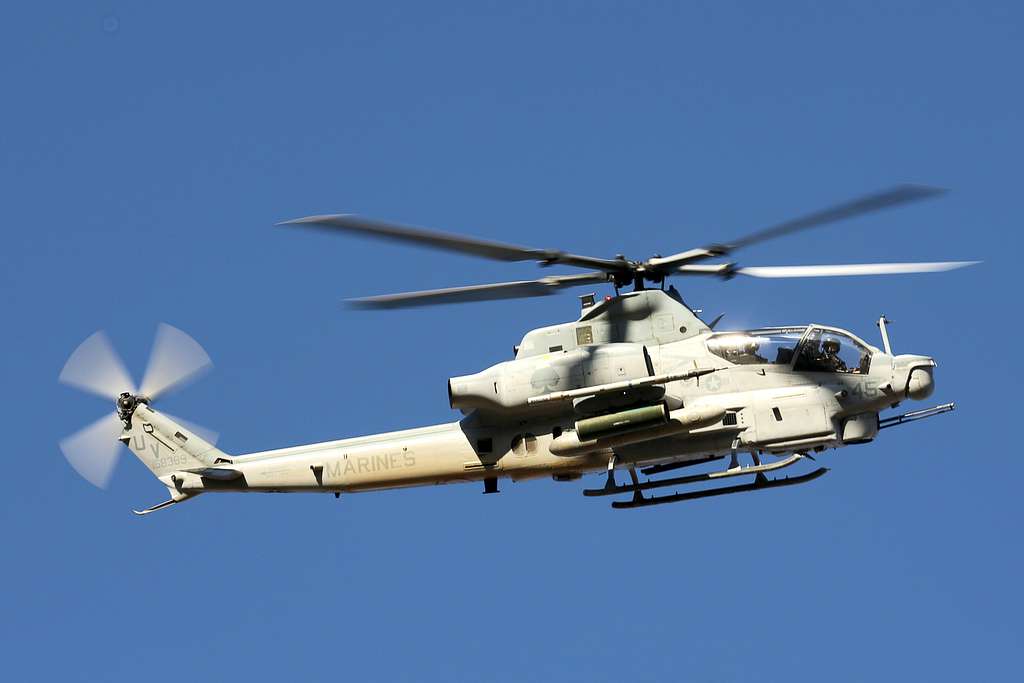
<point x="636" y="487"/>
<point x="694" y="478"/>
<point x="760" y="482"/>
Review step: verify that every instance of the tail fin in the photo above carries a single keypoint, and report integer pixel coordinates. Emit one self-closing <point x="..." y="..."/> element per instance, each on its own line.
<point x="179" y="456"/>
<point x="164" y="446"/>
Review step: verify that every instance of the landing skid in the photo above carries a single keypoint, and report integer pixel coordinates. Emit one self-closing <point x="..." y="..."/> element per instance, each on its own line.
<point x="760" y="482"/>
<point x="693" y="478"/>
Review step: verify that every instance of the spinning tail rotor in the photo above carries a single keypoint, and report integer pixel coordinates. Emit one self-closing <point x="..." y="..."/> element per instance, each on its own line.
<point x="96" y="368"/>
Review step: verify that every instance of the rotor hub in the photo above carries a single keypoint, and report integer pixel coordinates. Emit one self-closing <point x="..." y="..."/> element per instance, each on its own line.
<point x="126" y="405"/>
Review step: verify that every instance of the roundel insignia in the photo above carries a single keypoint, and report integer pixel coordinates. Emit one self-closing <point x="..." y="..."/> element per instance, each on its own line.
<point x="544" y="379"/>
<point x="713" y="383"/>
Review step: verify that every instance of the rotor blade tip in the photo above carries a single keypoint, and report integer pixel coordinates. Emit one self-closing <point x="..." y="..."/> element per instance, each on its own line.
<point x="318" y="218"/>
<point x="299" y="221"/>
<point x="368" y="304"/>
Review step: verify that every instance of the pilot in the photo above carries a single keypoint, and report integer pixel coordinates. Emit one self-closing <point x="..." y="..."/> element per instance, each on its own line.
<point x="830" y="356"/>
<point x="753" y="350"/>
<point x="750" y="352"/>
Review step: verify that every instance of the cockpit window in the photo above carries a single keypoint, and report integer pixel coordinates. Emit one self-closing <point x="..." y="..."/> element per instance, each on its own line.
<point x="829" y="351"/>
<point x="757" y="347"/>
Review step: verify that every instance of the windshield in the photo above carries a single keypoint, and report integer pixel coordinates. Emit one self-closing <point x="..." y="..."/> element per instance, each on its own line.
<point x="757" y="347"/>
<point x="831" y="351"/>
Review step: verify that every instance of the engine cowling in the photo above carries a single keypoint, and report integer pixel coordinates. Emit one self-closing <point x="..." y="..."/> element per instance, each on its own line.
<point x="508" y="385"/>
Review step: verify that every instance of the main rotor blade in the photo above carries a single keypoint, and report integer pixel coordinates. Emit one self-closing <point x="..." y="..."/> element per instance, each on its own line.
<point x="176" y="359"/>
<point x="451" y="242"/>
<point x="850" y="269"/>
<point x="93" y="451"/>
<point x="901" y="194"/>
<point x="488" y="292"/>
<point x="95" y="367"/>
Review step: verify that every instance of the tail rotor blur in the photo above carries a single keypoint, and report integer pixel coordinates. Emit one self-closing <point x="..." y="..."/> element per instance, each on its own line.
<point x="94" y="450"/>
<point x="176" y="360"/>
<point x="96" y="368"/>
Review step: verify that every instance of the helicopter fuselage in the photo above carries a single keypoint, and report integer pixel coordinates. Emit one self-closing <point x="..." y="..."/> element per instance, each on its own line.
<point x="637" y="381"/>
<point x="584" y="396"/>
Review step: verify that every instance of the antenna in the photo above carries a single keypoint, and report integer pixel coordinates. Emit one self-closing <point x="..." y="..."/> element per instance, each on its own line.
<point x="882" y="322"/>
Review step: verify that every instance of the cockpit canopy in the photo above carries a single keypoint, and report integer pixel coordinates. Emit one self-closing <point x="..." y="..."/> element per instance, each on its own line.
<point x="807" y="349"/>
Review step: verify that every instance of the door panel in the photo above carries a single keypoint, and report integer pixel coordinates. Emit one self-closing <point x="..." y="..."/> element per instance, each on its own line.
<point x="784" y="418"/>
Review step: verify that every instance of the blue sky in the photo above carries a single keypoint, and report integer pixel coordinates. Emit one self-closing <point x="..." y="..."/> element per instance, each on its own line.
<point x="147" y="152"/>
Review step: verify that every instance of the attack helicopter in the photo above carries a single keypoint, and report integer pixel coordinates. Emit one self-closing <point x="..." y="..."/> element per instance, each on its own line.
<point x="638" y="382"/>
